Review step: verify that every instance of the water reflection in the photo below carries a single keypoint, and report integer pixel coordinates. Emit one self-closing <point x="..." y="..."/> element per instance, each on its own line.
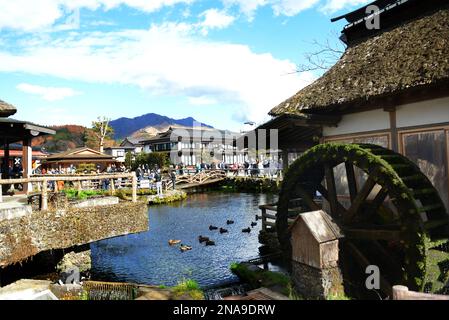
<point x="147" y="258"/>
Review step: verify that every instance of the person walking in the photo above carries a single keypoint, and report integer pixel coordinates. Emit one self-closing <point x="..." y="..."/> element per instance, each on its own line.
<point x="158" y="179"/>
<point x="173" y="179"/>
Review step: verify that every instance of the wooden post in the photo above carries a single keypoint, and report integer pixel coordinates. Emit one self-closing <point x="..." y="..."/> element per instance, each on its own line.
<point x="44" y="195"/>
<point x="27" y="163"/>
<point x="264" y="219"/>
<point x="1" y="190"/>
<point x="112" y="186"/>
<point x="134" y="187"/>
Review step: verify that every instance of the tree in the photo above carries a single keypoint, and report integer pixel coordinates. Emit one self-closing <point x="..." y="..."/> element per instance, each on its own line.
<point x="129" y="159"/>
<point x="324" y="56"/>
<point x="102" y="130"/>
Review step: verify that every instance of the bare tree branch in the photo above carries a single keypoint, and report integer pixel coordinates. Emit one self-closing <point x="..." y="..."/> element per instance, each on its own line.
<point x="324" y="57"/>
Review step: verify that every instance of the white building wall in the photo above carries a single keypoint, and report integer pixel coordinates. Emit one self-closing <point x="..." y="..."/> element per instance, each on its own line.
<point x="423" y="113"/>
<point x="360" y="122"/>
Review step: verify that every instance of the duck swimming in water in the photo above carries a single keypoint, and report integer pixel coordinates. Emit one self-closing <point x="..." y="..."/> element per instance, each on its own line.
<point x="229" y="222"/>
<point x="253" y="224"/>
<point x="185" y="248"/>
<point x="223" y="231"/>
<point x="211" y="228"/>
<point x="210" y="243"/>
<point x="174" y="242"/>
<point x="247" y="230"/>
<point x="202" y="239"/>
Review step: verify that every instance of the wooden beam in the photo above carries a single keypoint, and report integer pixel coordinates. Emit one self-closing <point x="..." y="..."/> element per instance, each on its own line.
<point x="331" y="189"/>
<point x="361" y="197"/>
<point x="325" y="195"/>
<point x="352" y="182"/>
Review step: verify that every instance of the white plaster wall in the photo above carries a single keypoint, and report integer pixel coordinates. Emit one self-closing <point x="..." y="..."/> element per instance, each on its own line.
<point x="360" y="122"/>
<point x="423" y="113"/>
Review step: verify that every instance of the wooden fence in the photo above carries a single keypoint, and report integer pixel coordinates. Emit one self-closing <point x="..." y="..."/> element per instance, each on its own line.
<point x="40" y="183"/>
<point x="403" y="293"/>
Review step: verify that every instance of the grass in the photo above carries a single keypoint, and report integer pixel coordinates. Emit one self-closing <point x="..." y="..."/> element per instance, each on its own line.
<point x="189" y="288"/>
<point x="83" y="194"/>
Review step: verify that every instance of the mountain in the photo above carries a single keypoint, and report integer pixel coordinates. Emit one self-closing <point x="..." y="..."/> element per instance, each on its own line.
<point x="68" y="137"/>
<point x="125" y="127"/>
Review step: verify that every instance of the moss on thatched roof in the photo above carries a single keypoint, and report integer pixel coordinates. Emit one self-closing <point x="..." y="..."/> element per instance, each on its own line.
<point x="6" y="109"/>
<point x="414" y="54"/>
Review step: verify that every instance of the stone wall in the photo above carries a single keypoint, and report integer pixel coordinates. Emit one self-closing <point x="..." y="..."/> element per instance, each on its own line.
<point x="317" y="284"/>
<point x="23" y="237"/>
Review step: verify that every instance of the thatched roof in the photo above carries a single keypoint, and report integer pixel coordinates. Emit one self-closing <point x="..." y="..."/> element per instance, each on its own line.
<point x="6" y="109"/>
<point x="413" y="55"/>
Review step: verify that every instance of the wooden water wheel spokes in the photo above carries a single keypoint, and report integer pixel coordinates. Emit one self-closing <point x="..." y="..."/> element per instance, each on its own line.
<point x="388" y="210"/>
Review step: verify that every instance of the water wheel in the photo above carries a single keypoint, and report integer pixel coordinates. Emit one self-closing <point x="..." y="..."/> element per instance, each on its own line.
<point x="389" y="211"/>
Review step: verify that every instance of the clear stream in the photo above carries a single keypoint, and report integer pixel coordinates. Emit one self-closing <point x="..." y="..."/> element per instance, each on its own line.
<point x="147" y="258"/>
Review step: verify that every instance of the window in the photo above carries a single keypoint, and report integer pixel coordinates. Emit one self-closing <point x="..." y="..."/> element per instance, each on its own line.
<point x="428" y="149"/>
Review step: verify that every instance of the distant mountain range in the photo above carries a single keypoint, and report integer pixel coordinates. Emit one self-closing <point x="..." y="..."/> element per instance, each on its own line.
<point x="148" y="124"/>
<point x="73" y="136"/>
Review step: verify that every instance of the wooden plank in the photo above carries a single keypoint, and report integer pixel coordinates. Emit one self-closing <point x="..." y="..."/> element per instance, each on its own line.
<point x="352" y="182"/>
<point x="403" y="293"/>
<point x="331" y="189"/>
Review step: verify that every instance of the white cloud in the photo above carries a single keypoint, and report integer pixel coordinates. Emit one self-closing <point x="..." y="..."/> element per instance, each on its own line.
<point x="335" y="5"/>
<point x="167" y="59"/>
<point x="201" y="101"/>
<point x="215" y="19"/>
<point x="47" y="93"/>
<point x="34" y="15"/>
<point x="292" y="7"/>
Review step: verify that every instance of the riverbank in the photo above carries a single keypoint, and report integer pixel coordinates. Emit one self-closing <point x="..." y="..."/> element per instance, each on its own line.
<point x="169" y="196"/>
<point x="250" y="185"/>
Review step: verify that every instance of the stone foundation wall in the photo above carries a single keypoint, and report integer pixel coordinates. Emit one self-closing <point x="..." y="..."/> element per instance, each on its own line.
<point x="23" y="237"/>
<point x="316" y="284"/>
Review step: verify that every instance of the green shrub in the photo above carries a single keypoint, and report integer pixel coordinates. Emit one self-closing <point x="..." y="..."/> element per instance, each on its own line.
<point x="188" y="287"/>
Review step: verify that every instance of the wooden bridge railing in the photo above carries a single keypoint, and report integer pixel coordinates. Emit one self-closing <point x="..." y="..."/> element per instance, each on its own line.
<point x="199" y="178"/>
<point x="42" y="181"/>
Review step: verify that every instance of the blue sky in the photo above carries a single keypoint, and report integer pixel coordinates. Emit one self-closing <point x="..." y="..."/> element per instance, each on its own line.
<point x="223" y="62"/>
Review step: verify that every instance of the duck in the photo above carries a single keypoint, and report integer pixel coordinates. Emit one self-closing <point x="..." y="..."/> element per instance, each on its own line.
<point x="174" y="242"/>
<point x="202" y="239"/>
<point x="223" y="231"/>
<point x="185" y="248"/>
<point x="210" y="243"/>
<point x="229" y="222"/>
<point x="211" y="228"/>
<point x="247" y="230"/>
<point x="257" y="218"/>
<point x="253" y="224"/>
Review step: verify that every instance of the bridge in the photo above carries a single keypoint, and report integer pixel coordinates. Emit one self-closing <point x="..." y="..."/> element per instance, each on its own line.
<point x="202" y="178"/>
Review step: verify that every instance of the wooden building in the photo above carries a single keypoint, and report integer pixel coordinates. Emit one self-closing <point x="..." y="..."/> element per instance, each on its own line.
<point x="16" y="131"/>
<point x="78" y="157"/>
<point x="390" y="87"/>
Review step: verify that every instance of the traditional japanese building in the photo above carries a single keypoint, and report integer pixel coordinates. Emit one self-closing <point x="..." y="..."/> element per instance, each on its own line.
<point x="80" y="157"/>
<point x="193" y="146"/>
<point x="390" y="87"/>
<point x="14" y="131"/>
